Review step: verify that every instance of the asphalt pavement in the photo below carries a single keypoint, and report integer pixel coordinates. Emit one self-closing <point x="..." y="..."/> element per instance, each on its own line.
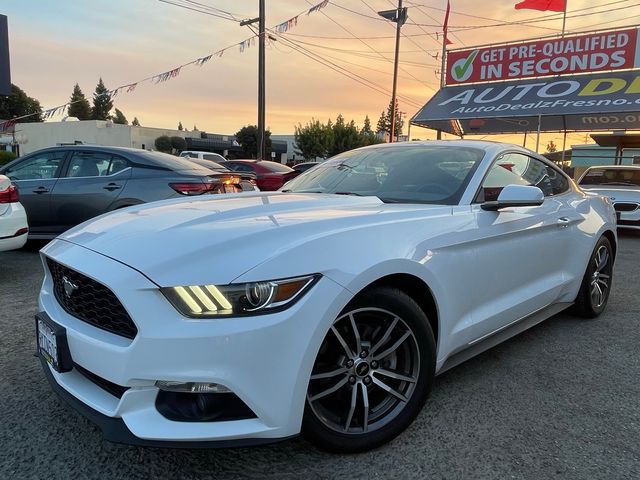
<point x="561" y="400"/>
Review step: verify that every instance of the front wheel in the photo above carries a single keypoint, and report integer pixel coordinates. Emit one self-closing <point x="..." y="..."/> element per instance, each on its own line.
<point x="596" y="284"/>
<point x="372" y="374"/>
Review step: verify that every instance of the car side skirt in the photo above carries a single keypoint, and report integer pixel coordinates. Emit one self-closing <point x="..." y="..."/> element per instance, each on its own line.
<point x="502" y="334"/>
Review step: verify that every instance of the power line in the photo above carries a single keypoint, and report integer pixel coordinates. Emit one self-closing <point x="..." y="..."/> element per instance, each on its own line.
<point x="379" y="37"/>
<point x="435" y="20"/>
<point x="553" y="16"/>
<point x="529" y="22"/>
<point x="340" y="69"/>
<point x="371" y="48"/>
<point x="365" y="55"/>
<point x="199" y="10"/>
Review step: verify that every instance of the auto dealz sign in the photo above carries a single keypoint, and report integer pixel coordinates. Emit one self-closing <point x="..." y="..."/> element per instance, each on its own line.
<point x="614" y="50"/>
<point x="608" y="92"/>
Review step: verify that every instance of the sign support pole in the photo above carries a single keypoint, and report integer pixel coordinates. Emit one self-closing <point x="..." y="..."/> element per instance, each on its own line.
<point x="538" y="136"/>
<point x="442" y="74"/>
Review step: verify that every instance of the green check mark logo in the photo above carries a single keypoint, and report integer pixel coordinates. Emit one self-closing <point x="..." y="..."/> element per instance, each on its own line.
<point x="463" y="68"/>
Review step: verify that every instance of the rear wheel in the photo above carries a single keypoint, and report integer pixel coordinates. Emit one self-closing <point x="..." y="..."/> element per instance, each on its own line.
<point x="372" y="374"/>
<point x="596" y="285"/>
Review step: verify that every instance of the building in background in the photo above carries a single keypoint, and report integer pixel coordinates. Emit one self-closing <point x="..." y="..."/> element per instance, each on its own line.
<point x="34" y="136"/>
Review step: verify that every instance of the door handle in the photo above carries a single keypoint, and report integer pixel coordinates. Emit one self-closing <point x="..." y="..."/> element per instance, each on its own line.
<point x="40" y="190"/>
<point x="563" y="222"/>
<point x="111" y="187"/>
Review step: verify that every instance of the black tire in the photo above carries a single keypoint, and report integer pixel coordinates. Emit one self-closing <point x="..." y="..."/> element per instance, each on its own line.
<point x="588" y="304"/>
<point x="369" y="313"/>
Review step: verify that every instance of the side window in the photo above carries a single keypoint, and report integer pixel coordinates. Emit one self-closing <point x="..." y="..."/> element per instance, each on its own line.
<point x="43" y="165"/>
<point x="88" y="164"/>
<point x="208" y="156"/>
<point x="559" y="183"/>
<point x="519" y="169"/>
<point x="117" y="164"/>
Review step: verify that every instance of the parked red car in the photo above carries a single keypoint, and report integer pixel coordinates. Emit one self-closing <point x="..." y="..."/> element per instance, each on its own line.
<point x="269" y="175"/>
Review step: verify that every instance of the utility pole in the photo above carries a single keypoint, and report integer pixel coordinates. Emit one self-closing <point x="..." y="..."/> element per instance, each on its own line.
<point x="399" y="16"/>
<point x="261" y="153"/>
<point x="261" y="85"/>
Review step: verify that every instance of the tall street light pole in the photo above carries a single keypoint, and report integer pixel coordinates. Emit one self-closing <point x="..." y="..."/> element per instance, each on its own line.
<point x="261" y="85"/>
<point x="399" y="16"/>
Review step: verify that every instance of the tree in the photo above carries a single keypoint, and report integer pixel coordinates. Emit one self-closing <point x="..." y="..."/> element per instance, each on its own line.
<point x="551" y="147"/>
<point x="194" y="127"/>
<point x="247" y="137"/>
<point x="79" y="105"/>
<point x="318" y="140"/>
<point x="18" y="104"/>
<point x="384" y="123"/>
<point x="178" y="143"/>
<point x="367" y="133"/>
<point x="119" y="118"/>
<point x="312" y="140"/>
<point x="135" y="122"/>
<point x="180" y="127"/>
<point x="163" y="144"/>
<point x="102" y="103"/>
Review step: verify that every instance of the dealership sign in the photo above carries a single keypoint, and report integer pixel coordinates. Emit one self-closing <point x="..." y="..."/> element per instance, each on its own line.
<point x="574" y="102"/>
<point x="611" y="50"/>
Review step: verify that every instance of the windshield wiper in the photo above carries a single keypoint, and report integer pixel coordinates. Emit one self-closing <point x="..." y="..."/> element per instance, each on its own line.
<point x="620" y="183"/>
<point x="349" y="193"/>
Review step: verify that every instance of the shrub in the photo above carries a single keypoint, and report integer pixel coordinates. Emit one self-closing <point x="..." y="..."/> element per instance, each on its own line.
<point x="163" y="144"/>
<point x="6" y="157"/>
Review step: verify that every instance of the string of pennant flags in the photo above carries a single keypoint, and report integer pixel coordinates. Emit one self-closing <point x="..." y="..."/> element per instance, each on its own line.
<point x="169" y="74"/>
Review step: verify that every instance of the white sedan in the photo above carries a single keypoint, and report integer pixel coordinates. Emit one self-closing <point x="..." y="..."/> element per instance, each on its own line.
<point x="13" y="219"/>
<point x="326" y="308"/>
<point x="621" y="183"/>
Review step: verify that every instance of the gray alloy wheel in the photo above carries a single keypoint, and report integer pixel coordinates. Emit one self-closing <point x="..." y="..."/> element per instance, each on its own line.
<point x="601" y="276"/>
<point x="596" y="284"/>
<point x="372" y="373"/>
<point x="364" y="380"/>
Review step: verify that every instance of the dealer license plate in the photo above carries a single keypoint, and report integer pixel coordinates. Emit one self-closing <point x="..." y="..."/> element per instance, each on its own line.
<point x="52" y="344"/>
<point x="47" y="345"/>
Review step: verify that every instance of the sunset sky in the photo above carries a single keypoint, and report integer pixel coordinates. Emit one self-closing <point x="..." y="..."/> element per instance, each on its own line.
<point x="56" y="44"/>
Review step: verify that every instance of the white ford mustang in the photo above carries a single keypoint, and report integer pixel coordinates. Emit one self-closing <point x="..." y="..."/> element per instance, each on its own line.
<point x="326" y="308"/>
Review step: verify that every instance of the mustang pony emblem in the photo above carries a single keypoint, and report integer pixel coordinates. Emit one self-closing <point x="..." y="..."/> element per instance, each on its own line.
<point x="69" y="287"/>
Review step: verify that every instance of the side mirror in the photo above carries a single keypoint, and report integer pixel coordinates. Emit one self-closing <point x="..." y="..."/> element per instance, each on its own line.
<point x="516" y="196"/>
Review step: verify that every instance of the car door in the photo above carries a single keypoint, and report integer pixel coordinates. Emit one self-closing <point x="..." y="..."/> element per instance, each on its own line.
<point x="36" y="176"/>
<point x="91" y="182"/>
<point x="521" y="252"/>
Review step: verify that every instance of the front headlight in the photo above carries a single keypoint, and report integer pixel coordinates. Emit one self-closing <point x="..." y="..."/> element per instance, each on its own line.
<point x="208" y="301"/>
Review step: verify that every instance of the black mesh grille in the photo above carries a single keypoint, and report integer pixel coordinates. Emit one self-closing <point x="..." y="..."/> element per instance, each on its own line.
<point x="625" y="206"/>
<point x="90" y="301"/>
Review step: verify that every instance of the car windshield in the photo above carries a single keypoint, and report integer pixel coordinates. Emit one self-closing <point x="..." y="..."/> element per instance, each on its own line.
<point x="612" y="176"/>
<point x="276" y="167"/>
<point x="404" y="174"/>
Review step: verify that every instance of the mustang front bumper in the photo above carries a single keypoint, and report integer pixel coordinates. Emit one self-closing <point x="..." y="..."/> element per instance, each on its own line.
<point x="264" y="360"/>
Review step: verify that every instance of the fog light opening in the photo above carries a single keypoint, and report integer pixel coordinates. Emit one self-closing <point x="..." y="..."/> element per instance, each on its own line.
<point x="191" y="387"/>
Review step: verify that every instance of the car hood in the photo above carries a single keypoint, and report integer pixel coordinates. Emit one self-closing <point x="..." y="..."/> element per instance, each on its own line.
<point x="218" y="238"/>
<point x="617" y="193"/>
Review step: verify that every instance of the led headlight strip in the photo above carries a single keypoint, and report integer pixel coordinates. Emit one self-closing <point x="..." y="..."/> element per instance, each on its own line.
<point x="208" y="301"/>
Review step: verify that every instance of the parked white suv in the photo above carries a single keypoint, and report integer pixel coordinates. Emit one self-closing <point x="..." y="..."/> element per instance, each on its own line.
<point x="216" y="157"/>
<point x="13" y="218"/>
